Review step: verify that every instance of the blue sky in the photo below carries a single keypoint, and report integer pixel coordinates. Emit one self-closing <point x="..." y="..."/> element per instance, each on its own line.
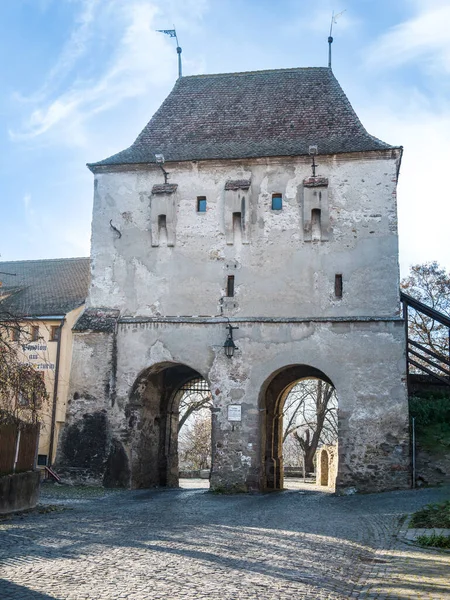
<point x="81" y="78"/>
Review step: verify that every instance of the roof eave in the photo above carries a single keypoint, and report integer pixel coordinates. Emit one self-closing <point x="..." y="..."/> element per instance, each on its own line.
<point x="102" y="167"/>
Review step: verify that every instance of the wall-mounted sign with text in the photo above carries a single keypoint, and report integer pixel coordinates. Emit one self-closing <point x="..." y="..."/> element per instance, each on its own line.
<point x="234" y="412"/>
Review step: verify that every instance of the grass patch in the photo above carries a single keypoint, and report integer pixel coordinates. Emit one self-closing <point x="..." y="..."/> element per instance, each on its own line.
<point x="432" y="515"/>
<point x="434" y="541"/>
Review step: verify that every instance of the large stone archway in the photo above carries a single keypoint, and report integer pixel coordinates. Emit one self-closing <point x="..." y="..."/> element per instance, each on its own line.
<point x="271" y="401"/>
<point x="153" y="413"/>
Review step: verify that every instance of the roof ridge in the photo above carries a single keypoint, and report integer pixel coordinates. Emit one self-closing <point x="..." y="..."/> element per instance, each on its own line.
<point x="284" y="70"/>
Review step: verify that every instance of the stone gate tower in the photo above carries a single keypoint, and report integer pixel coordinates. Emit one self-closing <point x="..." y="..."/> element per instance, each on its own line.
<point x="215" y="217"/>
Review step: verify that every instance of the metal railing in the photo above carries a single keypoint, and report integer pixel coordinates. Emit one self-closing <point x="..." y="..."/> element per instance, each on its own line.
<point x="419" y="356"/>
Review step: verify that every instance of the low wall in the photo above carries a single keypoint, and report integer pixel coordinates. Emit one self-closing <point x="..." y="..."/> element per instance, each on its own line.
<point x="199" y="474"/>
<point x="19" y="491"/>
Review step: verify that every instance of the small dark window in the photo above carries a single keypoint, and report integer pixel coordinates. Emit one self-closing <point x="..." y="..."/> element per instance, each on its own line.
<point x="34" y="333"/>
<point x="201" y="204"/>
<point x="42" y="460"/>
<point x="15" y="334"/>
<point x="338" y="286"/>
<point x="277" y="201"/>
<point x="54" y="333"/>
<point x="230" y="286"/>
<point x="162" y="221"/>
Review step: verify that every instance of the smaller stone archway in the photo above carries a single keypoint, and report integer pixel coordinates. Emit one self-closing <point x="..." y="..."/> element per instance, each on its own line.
<point x="153" y="414"/>
<point x="273" y="395"/>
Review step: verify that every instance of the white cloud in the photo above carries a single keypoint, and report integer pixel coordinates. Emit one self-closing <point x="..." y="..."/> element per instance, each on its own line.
<point x="423" y="208"/>
<point x="424" y="38"/>
<point x="142" y="58"/>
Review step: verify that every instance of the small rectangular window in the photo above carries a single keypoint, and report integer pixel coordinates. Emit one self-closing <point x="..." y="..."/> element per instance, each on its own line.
<point x="34" y="333"/>
<point x="277" y="201"/>
<point x="201" y="204"/>
<point x="42" y="460"/>
<point x="15" y="334"/>
<point x="54" y="333"/>
<point x="230" y="286"/>
<point x="338" y="286"/>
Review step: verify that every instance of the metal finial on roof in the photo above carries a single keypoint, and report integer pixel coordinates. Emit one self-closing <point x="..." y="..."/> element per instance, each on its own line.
<point x="334" y="19"/>
<point x="173" y="33"/>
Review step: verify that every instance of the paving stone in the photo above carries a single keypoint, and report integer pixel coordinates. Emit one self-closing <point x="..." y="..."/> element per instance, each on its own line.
<point x="191" y="544"/>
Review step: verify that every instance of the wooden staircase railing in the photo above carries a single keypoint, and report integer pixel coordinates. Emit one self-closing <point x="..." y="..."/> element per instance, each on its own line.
<point x="416" y="351"/>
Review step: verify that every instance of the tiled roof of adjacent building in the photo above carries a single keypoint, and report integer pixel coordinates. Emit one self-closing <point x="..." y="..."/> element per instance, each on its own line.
<point x="247" y="115"/>
<point x="43" y="287"/>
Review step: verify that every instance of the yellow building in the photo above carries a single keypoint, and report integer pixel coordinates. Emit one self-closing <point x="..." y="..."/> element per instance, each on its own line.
<point x="45" y="297"/>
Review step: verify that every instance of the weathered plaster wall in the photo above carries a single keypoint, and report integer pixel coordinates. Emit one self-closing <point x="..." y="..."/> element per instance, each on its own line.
<point x="278" y="272"/>
<point x="364" y="360"/>
<point x="281" y="271"/>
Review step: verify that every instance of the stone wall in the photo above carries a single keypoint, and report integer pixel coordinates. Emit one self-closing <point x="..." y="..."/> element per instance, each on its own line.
<point x="159" y="305"/>
<point x="327" y="466"/>
<point x="364" y="360"/>
<point x="19" y="491"/>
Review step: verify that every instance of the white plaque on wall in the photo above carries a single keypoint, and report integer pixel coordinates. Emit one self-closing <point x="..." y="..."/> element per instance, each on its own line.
<point x="234" y="412"/>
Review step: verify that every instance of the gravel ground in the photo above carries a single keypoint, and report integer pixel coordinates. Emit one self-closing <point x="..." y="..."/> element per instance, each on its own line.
<point x="95" y="544"/>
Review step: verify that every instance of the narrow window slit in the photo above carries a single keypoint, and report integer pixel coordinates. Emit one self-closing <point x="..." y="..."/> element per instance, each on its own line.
<point x="316" y="228"/>
<point x="237" y="227"/>
<point x="162" y="229"/>
<point x="338" y="286"/>
<point x="230" y="286"/>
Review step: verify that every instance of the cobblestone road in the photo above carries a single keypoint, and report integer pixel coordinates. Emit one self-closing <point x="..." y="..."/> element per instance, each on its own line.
<point x="192" y="544"/>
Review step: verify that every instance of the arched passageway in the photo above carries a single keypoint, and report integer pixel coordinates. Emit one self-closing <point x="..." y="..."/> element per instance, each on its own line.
<point x="275" y="397"/>
<point x="153" y="414"/>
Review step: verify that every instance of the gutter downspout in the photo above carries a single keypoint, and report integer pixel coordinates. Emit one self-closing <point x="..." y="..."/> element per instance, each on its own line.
<point x="55" y="395"/>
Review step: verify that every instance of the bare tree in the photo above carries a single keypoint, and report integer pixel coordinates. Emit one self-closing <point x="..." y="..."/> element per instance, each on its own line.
<point x="429" y="283"/>
<point x="310" y="416"/>
<point x="22" y="388"/>
<point x="194" y="442"/>
<point x="192" y="401"/>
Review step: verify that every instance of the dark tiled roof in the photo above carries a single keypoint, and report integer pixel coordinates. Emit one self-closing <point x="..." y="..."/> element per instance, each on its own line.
<point x="164" y="188"/>
<point x="247" y="115"/>
<point x="44" y="287"/>
<point x="98" y="319"/>
<point x="238" y="184"/>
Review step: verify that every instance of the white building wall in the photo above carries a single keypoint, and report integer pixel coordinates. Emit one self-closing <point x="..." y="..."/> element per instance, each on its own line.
<point x="277" y="273"/>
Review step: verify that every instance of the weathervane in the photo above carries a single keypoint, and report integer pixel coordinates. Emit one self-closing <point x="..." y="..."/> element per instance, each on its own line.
<point x="334" y="19"/>
<point x="172" y="33"/>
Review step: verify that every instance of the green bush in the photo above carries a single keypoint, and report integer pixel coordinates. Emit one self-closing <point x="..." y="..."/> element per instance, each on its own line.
<point x="432" y="515"/>
<point x="430" y="409"/>
<point x="432" y="420"/>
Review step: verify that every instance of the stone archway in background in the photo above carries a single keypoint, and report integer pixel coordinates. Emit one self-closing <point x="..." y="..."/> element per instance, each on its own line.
<point x="272" y="398"/>
<point x="324" y="467"/>
<point x="152" y="413"/>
